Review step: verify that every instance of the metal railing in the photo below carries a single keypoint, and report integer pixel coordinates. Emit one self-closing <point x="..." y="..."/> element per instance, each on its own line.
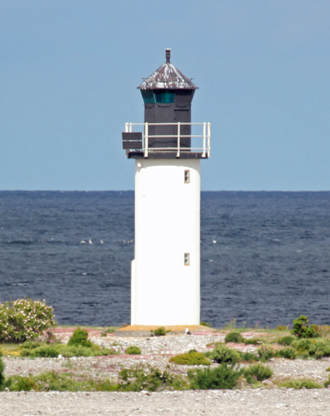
<point x="204" y="137"/>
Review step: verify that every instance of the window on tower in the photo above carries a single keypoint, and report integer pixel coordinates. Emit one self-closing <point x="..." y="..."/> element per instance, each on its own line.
<point x="158" y="96"/>
<point x="187" y="259"/>
<point x="164" y="96"/>
<point x="187" y="176"/>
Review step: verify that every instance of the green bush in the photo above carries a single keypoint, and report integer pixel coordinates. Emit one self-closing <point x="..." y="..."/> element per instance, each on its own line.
<point x="286" y="340"/>
<point x="234" y="337"/>
<point x="80" y="337"/>
<point x="249" y="357"/>
<point x="301" y="384"/>
<point x="52" y="380"/>
<point x="24" y="319"/>
<point x="253" y="341"/>
<point x="147" y="378"/>
<point x="159" y="332"/>
<point x="44" y="350"/>
<point x="259" y="371"/>
<point x="321" y="348"/>
<point x="266" y="352"/>
<point x="133" y="350"/>
<point x="190" y="358"/>
<point x="327" y="383"/>
<point x="223" y="377"/>
<point x="304" y="346"/>
<point x="289" y="353"/>
<point x="223" y="354"/>
<point x="2" y="370"/>
<point x="301" y="328"/>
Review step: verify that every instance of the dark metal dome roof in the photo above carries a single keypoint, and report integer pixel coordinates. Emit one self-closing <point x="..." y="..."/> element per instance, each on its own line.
<point x="167" y="77"/>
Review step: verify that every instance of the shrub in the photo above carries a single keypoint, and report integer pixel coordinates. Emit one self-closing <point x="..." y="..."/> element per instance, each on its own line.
<point x="322" y="348"/>
<point x="289" y="353"/>
<point x="44" y="350"/>
<point x="223" y="377"/>
<point x="24" y="319"/>
<point x="286" y="340"/>
<point x="2" y="370"/>
<point x="305" y="347"/>
<point x="159" y="332"/>
<point x="224" y="354"/>
<point x="80" y="337"/>
<point x="146" y="378"/>
<point x="301" y="384"/>
<point x="266" y="353"/>
<point x="253" y="341"/>
<point x="133" y="350"/>
<point x="249" y="357"/>
<point x="301" y="328"/>
<point x="234" y="337"/>
<point x="259" y="371"/>
<point x="52" y="380"/>
<point x="190" y="358"/>
<point x="327" y="383"/>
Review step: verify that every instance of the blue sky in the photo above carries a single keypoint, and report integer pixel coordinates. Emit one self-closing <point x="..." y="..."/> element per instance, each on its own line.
<point x="69" y="71"/>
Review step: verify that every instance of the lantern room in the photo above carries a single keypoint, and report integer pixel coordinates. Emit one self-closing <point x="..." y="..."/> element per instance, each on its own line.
<point x="168" y="132"/>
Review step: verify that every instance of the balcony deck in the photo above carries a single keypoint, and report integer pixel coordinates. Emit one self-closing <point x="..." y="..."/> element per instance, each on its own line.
<point x="142" y="145"/>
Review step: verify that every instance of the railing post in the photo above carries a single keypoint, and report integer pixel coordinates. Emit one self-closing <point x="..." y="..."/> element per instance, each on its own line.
<point x="178" y="142"/>
<point x="146" y="140"/>
<point x="204" y="139"/>
<point x="209" y="138"/>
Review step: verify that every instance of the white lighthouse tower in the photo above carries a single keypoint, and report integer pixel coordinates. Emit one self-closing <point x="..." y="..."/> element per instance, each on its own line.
<point x="167" y="148"/>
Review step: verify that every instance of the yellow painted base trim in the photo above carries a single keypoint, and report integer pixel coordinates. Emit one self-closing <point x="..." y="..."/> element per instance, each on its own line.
<point x="172" y="328"/>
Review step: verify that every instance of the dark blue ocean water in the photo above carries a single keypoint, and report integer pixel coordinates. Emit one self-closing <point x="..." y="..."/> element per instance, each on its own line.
<point x="269" y="264"/>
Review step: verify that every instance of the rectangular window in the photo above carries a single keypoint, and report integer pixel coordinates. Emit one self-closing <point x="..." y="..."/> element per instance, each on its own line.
<point x="187" y="259"/>
<point x="187" y="176"/>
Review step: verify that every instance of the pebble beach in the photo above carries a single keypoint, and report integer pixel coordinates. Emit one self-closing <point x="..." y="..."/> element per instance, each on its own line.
<point x="267" y="399"/>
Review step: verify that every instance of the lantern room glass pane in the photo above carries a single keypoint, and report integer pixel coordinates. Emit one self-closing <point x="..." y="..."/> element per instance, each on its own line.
<point x="164" y="97"/>
<point x="148" y="97"/>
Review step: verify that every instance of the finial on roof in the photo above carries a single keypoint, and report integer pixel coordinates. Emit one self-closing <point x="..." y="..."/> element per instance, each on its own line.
<point x="168" y="55"/>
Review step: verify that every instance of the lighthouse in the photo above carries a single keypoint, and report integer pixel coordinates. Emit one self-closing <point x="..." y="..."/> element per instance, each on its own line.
<point x="167" y="149"/>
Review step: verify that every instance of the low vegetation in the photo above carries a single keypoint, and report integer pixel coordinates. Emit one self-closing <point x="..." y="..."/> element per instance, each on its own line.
<point x="224" y="373"/>
<point x="133" y="350"/>
<point x="222" y="377"/>
<point x="301" y="384"/>
<point x="78" y="346"/>
<point x="159" y="332"/>
<point x="302" y="329"/>
<point x="258" y="371"/>
<point x="223" y="354"/>
<point x="190" y="358"/>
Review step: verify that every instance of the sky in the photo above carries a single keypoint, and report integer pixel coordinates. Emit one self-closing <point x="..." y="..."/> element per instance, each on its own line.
<point x="69" y="71"/>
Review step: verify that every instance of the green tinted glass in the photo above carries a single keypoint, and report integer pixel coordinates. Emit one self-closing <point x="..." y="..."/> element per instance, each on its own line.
<point x="164" y="96"/>
<point x="148" y="97"/>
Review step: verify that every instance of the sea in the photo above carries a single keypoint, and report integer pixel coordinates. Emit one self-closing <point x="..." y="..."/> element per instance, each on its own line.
<point x="265" y="256"/>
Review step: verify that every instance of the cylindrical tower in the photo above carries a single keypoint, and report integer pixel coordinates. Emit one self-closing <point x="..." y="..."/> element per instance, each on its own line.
<point x="165" y="281"/>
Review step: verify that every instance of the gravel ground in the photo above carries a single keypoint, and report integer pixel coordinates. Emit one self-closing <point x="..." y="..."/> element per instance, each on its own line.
<point x="269" y="400"/>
